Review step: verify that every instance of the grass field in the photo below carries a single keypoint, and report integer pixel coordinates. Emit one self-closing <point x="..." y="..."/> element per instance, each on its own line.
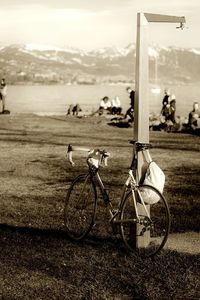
<point x="38" y="261"/>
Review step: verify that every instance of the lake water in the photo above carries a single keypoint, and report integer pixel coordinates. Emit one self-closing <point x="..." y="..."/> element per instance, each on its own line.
<point x="55" y="99"/>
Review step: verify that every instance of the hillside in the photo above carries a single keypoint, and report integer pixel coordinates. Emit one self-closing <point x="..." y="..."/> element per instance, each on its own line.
<point x="48" y="65"/>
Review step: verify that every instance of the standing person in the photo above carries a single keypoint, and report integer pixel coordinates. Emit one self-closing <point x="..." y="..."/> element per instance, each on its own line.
<point x="165" y="111"/>
<point x="3" y="93"/>
<point x="130" y="111"/>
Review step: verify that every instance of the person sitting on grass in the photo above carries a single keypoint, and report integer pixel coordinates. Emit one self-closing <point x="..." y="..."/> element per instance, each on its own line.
<point x="70" y="109"/>
<point x="172" y="106"/>
<point x="105" y="105"/>
<point x="116" y="106"/>
<point x="76" y="109"/>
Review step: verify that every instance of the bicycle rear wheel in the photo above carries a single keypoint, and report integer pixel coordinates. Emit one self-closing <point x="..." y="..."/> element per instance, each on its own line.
<point x="80" y="207"/>
<point x="148" y="236"/>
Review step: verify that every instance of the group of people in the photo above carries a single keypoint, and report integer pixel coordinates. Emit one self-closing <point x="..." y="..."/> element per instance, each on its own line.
<point x="114" y="106"/>
<point x="168" y="112"/>
<point x="74" y="109"/>
<point x="111" y="106"/>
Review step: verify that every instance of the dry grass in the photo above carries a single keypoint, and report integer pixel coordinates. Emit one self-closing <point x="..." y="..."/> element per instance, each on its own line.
<point x="37" y="261"/>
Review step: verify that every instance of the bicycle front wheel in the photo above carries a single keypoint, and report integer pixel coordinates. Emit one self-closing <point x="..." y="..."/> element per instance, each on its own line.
<point x="143" y="233"/>
<point x="80" y="207"/>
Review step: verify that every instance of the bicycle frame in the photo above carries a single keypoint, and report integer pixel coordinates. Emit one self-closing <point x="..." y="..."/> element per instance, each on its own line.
<point x="129" y="184"/>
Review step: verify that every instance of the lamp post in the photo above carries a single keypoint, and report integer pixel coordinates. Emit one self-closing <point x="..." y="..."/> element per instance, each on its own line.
<point x="141" y="110"/>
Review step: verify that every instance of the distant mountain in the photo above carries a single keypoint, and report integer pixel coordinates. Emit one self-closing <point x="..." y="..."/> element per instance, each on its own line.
<point x="42" y="64"/>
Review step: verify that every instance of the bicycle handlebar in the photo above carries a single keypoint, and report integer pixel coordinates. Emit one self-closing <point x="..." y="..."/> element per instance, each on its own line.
<point x="95" y="154"/>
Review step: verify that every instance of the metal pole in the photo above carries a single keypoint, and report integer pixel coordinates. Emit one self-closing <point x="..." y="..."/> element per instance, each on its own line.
<point x="141" y="110"/>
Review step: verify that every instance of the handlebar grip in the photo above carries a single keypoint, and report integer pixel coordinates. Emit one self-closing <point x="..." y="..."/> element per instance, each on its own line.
<point x="69" y="154"/>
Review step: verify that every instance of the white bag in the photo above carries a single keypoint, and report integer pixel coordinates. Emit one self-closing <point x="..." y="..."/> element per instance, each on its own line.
<point x="155" y="177"/>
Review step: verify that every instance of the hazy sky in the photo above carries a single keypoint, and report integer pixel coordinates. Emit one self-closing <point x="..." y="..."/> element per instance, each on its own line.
<point x="90" y="24"/>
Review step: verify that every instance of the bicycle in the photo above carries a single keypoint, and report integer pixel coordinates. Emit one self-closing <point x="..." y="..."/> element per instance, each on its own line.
<point x="144" y="227"/>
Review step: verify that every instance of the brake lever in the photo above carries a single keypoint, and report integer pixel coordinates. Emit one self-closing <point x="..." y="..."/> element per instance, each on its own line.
<point x="106" y="161"/>
<point x="106" y="158"/>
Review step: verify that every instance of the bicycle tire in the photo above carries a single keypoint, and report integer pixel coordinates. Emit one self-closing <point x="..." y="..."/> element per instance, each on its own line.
<point x="149" y="237"/>
<point x="80" y="207"/>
